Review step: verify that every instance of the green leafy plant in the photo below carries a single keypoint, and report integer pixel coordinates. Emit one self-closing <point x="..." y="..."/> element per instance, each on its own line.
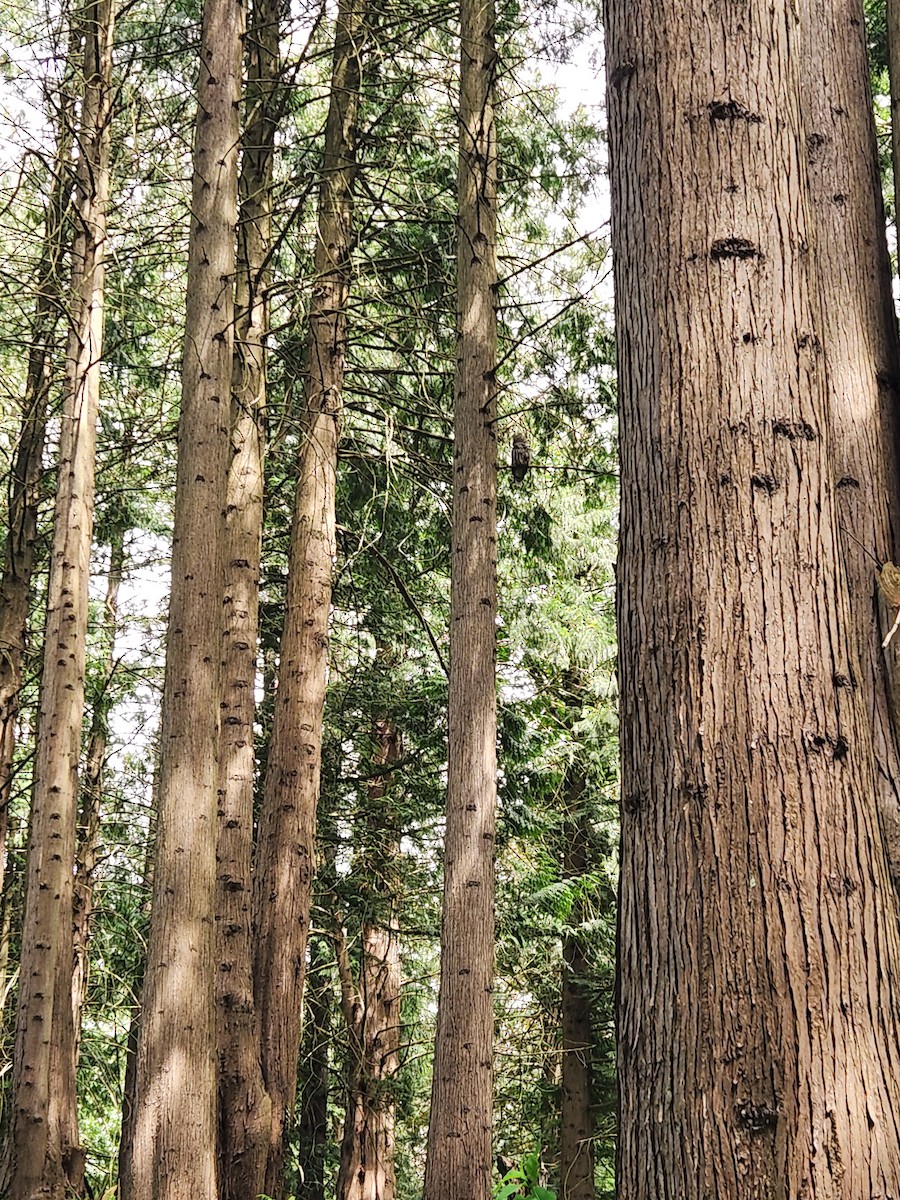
<point x="522" y="1182"/>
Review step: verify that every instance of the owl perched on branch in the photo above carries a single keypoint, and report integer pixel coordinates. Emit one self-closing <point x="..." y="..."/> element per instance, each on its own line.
<point x="521" y="457"/>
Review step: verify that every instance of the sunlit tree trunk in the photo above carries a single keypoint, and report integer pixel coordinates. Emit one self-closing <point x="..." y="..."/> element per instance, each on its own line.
<point x="862" y="358"/>
<point x="244" y="1108"/>
<point x="173" y="1154"/>
<point x="372" y="1005"/>
<point x="458" y="1163"/>
<point x="285" y="847"/>
<point x="758" y="1046"/>
<point x="47" y="1159"/>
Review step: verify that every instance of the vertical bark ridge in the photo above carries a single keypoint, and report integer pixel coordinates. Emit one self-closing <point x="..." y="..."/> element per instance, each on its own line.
<point x="173" y="1152"/>
<point x="459" y="1157"/>
<point x="286" y="836"/>
<point x="47" y="1159"/>
<point x="757" y="1031"/>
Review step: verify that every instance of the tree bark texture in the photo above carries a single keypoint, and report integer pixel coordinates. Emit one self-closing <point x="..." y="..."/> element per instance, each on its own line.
<point x="576" y="1155"/>
<point x="88" y="833"/>
<point x="286" y="836"/>
<point x="892" y="30"/>
<point x="47" y="1160"/>
<point x="312" y="1126"/>
<point x="758" y="1049"/>
<point x="372" y="1005"/>
<point x="458" y="1157"/>
<point x="174" y="1142"/>
<point x="862" y="357"/>
<point x="25" y="477"/>
<point x="244" y="1107"/>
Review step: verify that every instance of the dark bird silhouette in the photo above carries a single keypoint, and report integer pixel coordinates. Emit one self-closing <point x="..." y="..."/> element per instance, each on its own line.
<point x="521" y="458"/>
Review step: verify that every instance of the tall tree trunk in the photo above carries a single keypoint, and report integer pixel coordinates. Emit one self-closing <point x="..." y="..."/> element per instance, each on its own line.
<point x="862" y="356"/>
<point x="25" y="477"/>
<point x="892" y="22"/>
<point x="174" y="1144"/>
<point x="312" y="1126"/>
<point x="47" y="1159"/>
<point x="244" y="1108"/>
<point x="576" y="1159"/>
<point x="285" y="846"/>
<point x="758" y="1046"/>
<point x="92" y="794"/>
<point x="372" y="1009"/>
<point x="458" y="1161"/>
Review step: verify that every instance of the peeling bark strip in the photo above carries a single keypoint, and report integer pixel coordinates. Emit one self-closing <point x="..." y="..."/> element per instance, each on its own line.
<point x="862" y="358"/>
<point x="459" y="1158"/>
<point x="244" y="1108"/>
<point x="46" y="1157"/>
<point x="174" y="1142"/>
<point x="758" y="1042"/>
<point x="287" y="825"/>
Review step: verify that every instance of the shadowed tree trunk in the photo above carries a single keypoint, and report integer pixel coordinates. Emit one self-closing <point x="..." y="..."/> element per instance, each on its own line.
<point x="245" y="1111"/>
<point x="458" y="1162"/>
<point x="758" y="1048"/>
<point x="173" y="1151"/>
<point x="47" y="1159"/>
<point x="285" y="843"/>
<point x="862" y="358"/>
<point x="372" y="1006"/>
<point x="312" y="1126"/>
<point x="92" y="793"/>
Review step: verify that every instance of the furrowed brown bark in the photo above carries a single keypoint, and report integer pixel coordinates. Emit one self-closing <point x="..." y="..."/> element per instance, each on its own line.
<point x="47" y="1160"/>
<point x="285" y="842"/>
<point x="458" y="1161"/>
<point x="88" y="832"/>
<point x="758" y="1046"/>
<point x="25" y="477"/>
<point x="244" y="1108"/>
<point x="371" y="1006"/>
<point x="173" y="1154"/>
<point x="862" y="356"/>
<point x="576" y="1157"/>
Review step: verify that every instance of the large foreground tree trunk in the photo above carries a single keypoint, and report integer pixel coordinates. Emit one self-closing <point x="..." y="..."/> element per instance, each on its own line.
<point x="47" y="1160"/>
<point x="245" y="1111"/>
<point x="862" y="357"/>
<point x="458" y="1163"/>
<point x="285" y="846"/>
<point x="757" y="1037"/>
<point x="173" y="1154"/>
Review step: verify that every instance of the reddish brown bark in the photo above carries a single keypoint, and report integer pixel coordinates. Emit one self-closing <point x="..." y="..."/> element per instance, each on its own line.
<point x="285" y="845"/>
<point x="47" y="1160"/>
<point x="173" y="1149"/>
<point x="459" y="1158"/>
<point x="758" y="1048"/>
<point x="244" y="1108"/>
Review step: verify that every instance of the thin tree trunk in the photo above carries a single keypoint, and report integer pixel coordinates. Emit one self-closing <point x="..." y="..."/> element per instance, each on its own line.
<point x="244" y="1108"/>
<point x="576" y="1160"/>
<point x="173" y="1155"/>
<point x="372" y="1010"/>
<point x="892" y="20"/>
<point x="758" y="1048"/>
<point x="92" y="795"/>
<point x="25" y="477"/>
<point x="312" y="1126"/>
<point x="285" y="847"/>
<point x="47" y="1158"/>
<point x="458" y="1161"/>
<point x="862" y="356"/>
